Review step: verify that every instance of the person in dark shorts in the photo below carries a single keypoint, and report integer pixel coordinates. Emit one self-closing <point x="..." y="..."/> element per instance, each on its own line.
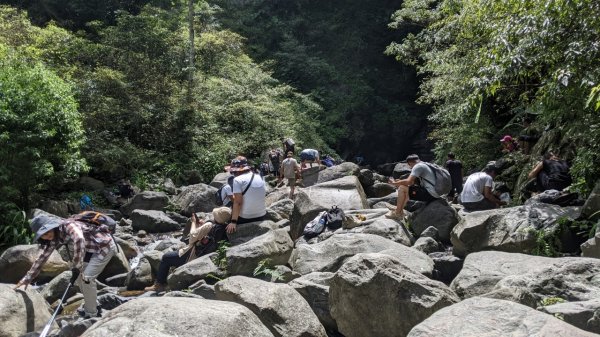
<point x="456" y="174"/>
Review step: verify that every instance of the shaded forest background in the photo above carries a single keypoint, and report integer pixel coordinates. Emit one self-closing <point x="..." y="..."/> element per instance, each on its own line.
<point x="106" y="88"/>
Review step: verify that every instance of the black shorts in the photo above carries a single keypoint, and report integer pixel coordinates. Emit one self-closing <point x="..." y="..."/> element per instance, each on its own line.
<point x="416" y="192"/>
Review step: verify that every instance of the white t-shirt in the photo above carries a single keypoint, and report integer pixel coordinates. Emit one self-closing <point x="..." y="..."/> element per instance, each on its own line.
<point x="226" y="194"/>
<point x="253" y="202"/>
<point x="424" y="172"/>
<point x="473" y="190"/>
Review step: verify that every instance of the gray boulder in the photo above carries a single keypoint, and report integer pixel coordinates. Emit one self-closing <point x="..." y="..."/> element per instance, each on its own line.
<point x="314" y="288"/>
<point x="56" y="288"/>
<point x="153" y="221"/>
<point x="128" y="247"/>
<point x="169" y="186"/>
<point x="446" y="265"/>
<point x="16" y="261"/>
<point x="154" y="257"/>
<point x="382" y="226"/>
<point x="179" y="316"/>
<point x="346" y="193"/>
<point x="592" y="204"/>
<point x="329" y="255"/>
<point x="118" y="264"/>
<point x="278" y="306"/>
<point x="380" y="190"/>
<point x="480" y="316"/>
<point x="310" y="176"/>
<point x="591" y="248"/>
<point x="58" y="208"/>
<point x="196" y="198"/>
<point x="192" y="272"/>
<point x="75" y="328"/>
<point x="401" y="169"/>
<point x="338" y="171"/>
<point x="251" y="230"/>
<point x="382" y="202"/>
<point x="21" y="311"/>
<point x="140" y="276"/>
<point x="513" y="229"/>
<point x="146" y="200"/>
<point x="284" y="208"/>
<point x="438" y="214"/>
<point x="427" y="245"/>
<point x="89" y="183"/>
<point x="381" y="287"/>
<point x="584" y="314"/>
<point x="219" y="180"/>
<point x="275" y="245"/>
<point x="528" y="279"/>
<point x="366" y="178"/>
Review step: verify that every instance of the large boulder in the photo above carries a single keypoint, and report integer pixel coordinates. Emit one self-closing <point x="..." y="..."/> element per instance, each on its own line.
<point x="438" y="214"/>
<point x="118" y="264"/>
<point x="314" y="288"/>
<point x="329" y="255"/>
<point x="196" y="198"/>
<point x="380" y="190"/>
<point x="275" y="245"/>
<point x="248" y="231"/>
<point x="583" y="314"/>
<point x="346" y="193"/>
<point x="284" y="208"/>
<point x="16" y="261"/>
<point x="528" y="279"/>
<point x="56" y="288"/>
<point x="58" y="208"/>
<point x="592" y="204"/>
<point x="153" y="221"/>
<point x="377" y="295"/>
<point x="366" y="178"/>
<point x="178" y="316"/>
<point x="491" y="317"/>
<point x="89" y="183"/>
<point x="147" y="200"/>
<point x="140" y="276"/>
<point x="376" y="223"/>
<point x="446" y="265"/>
<point x="21" y="311"/>
<point x="514" y="229"/>
<point x="400" y="170"/>
<point x="338" y="171"/>
<point x="591" y="248"/>
<point x="278" y="306"/>
<point x="192" y="272"/>
<point x="220" y="179"/>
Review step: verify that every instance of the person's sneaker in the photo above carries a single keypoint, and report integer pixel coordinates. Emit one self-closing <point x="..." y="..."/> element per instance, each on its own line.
<point x="394" y="216"/>
<point x="86" y="315"/>
<point x="157" y="287"/>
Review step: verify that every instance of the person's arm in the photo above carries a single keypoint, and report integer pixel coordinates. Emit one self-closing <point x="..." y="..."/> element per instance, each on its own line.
<point x="487" y="193"/>
<point x="36" y="267"/>
<point x="406" y="182"/>
<point x="536" y="170"/>
<point x="76" y="235"/>
<point x="238" y="199"/>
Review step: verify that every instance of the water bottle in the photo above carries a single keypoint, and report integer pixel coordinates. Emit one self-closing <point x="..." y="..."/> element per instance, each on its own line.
<point x="323" y="220"/>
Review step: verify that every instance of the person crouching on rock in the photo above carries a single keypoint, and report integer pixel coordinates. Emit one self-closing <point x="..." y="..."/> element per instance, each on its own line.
<point x="203" y="239"/>
<point x="91" y="249"/>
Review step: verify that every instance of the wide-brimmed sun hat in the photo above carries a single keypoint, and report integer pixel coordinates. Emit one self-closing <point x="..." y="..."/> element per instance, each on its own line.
<point x="221" y="215"/>
<point x="42" y="224"/>
<point x="239" y="164"/>
<point x="506" y="138"/>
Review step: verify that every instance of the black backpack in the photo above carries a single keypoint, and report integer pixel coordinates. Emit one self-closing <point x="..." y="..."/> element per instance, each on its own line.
<point x="100" y="221"/>
<point x="335" y="218"/>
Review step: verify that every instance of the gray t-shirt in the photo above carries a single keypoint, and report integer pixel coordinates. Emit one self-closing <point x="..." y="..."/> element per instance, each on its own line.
<point x="289" y="168"/>
<point x="424" y="172"/>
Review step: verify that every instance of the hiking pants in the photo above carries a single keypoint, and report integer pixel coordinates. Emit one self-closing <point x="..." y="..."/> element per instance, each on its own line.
<point x="170" y="259"/>
<point x="91" y="269"/>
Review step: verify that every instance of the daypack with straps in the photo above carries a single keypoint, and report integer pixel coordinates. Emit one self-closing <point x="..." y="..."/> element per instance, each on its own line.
<point x="335" y="218"/>
<point x="101" y="221"/>
<point x="316" y="226"/>
<point x="443" y="182"/>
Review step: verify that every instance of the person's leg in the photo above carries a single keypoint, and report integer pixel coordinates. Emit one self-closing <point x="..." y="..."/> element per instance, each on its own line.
<point x="87" y="281"/>
<point x="400" y="202"/>
<point x="292" y="184"/>
<point x="170" y="259"/>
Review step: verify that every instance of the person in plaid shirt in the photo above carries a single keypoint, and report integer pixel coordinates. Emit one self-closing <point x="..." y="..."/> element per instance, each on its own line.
<point x="92" y="248"/>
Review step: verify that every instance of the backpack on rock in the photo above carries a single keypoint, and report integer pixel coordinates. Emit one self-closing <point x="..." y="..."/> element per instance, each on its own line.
<point x="335" y="218"/>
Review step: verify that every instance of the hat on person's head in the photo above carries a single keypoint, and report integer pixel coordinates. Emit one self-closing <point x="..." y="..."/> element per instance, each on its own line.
<point x="412" y="157"/>
<point x="239" y="164"/>
<point x="221" y="215"/>
<point x="42" y="224"/>
<point x="506" y="138"/>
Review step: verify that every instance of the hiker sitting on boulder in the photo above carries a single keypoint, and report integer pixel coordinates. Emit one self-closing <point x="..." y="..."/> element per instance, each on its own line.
<point x="420" y="185"/>
<point x="203" y="239"/>
<point x="477" y="193"/>
<point x="309" y="155"/>
<point x="248" y="195"/>
<point x="91" y="252"/>
<point x="550" y="174"/>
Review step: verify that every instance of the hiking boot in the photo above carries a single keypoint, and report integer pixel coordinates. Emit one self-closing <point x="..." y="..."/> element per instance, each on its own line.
<point x="394" y="216"/>
<point x="157" y="287"/>
<point x="86" y="315"/>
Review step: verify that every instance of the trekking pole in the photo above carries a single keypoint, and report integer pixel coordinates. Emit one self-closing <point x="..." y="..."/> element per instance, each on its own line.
<point x="56" y="312"/>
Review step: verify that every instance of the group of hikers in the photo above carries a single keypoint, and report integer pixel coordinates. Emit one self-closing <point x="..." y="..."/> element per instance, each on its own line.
<point x="242" y="200"/>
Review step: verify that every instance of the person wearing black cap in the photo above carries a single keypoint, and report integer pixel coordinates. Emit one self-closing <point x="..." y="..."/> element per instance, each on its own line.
<point x="92" y="250"/>
<point x="248" y="195"/>
<point x="408" y="188"/>
<point x="477" y="194"/>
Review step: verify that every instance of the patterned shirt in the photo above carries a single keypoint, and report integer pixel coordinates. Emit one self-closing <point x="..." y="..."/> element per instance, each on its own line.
<point x="84" y="238"/>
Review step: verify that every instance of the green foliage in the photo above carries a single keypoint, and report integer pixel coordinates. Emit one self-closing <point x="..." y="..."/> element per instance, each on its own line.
<point x="547" y="243"/>
<point x="40" y="128"/>
<point x="14" y="229"/>
<point x="221" y="258"/>
<point x="264" y="267"/>
<point x="487" y="63"/>
<point x="551" y="301"/>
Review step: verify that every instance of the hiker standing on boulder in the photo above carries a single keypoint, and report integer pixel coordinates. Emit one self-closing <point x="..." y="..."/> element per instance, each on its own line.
<point x="477" y="194"/>
<point x="248" y="195"/>
<point x="456" y="174"/>
<point x="420" y="185"/>
<point x="290" y="169"/>
<point x="91" y="250"/>
<point x="275" y="159"/>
